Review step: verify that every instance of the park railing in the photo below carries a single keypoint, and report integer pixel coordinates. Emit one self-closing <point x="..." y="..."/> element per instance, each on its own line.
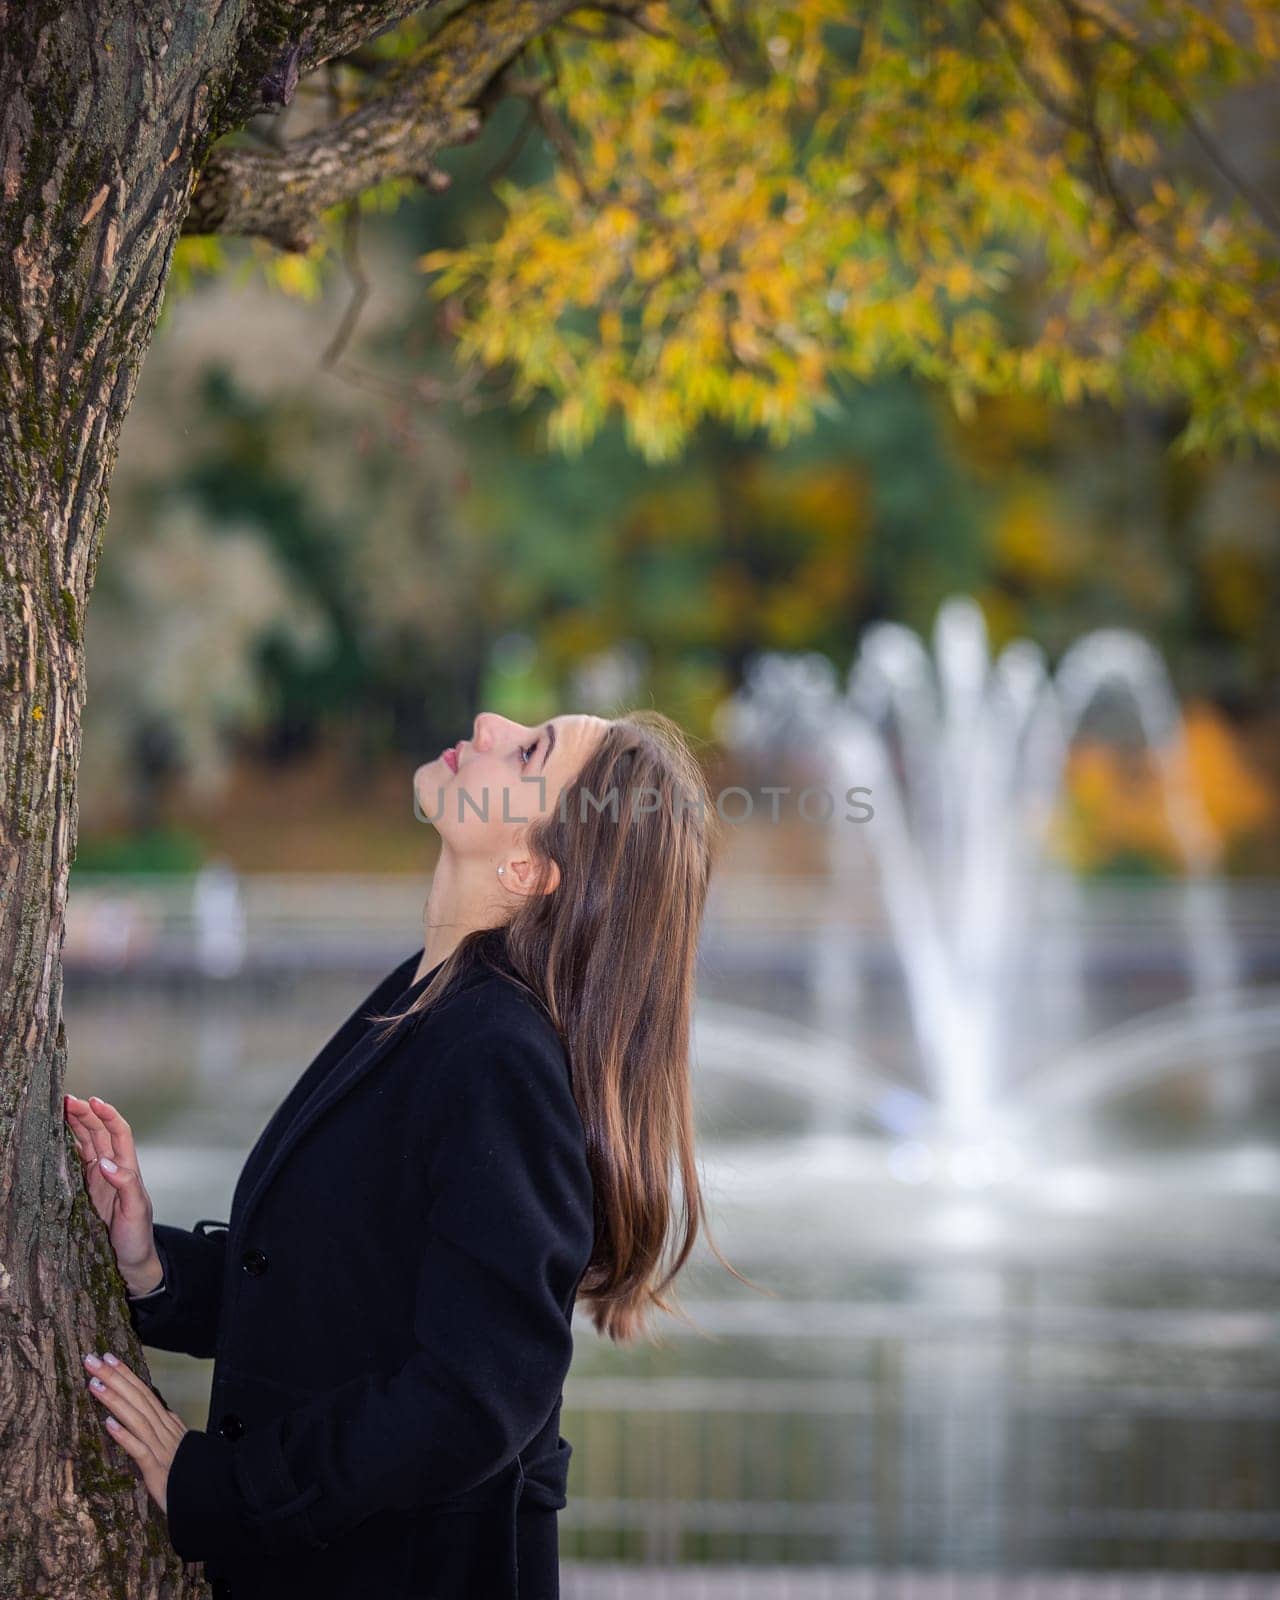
<point x="1004" y="1431"/>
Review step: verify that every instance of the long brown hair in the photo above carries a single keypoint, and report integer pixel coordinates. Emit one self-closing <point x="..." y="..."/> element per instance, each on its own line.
<point x="611" y="955"/>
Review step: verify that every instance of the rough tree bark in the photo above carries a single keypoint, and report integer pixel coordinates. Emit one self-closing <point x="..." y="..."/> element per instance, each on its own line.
<point x="104" y="117"/>
<point x="108" y="110"/>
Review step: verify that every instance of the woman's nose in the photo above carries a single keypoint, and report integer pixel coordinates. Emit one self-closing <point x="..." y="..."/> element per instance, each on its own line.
<point x="489" y="725"/>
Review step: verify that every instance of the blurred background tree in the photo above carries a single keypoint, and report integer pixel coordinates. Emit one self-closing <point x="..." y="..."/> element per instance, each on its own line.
<point x="744" y="328"/>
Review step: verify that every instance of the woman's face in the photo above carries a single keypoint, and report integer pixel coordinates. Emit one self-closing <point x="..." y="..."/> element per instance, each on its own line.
<point x="482" y="793"/>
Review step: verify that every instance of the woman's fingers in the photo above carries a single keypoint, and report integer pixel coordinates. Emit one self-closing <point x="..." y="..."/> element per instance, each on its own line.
<point x="139" y="1421"/>
<point x="135" y="1419"/>
<point x="129" y="1399"/>
<point x="84" y="1144"/>
<point x="84" y="1149"/>
<point x="115" y="1373"/>
<point x="120" y="1132"/>
<point x="131" y="1197"/>
<point x="89" y="1126"/>
<point x="128" y="1442"/>
<point x="101" y="1195"/>
<point x="96" y="1122"/>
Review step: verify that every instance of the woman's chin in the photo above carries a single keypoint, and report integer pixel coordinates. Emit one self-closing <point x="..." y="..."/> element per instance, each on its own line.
<point x="431" y="782"/>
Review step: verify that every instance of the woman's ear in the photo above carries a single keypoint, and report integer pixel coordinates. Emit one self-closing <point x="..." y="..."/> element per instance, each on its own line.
<point x="522" y="875"/>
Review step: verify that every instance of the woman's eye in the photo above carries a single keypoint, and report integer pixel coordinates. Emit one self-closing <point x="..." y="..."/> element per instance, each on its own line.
<point x="526" y="752"/>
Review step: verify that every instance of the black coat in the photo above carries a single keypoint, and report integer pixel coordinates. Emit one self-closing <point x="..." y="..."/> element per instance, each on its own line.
<point x="389" y="1313"/>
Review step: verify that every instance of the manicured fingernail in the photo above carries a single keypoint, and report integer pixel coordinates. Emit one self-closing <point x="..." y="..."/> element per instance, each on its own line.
<point x="96" y="1383"/>
<point x="112" y="1423"/>
<point x="112" y="1361"/>
<point x="107" y="1165"/>
<point x="92" y="1361"/>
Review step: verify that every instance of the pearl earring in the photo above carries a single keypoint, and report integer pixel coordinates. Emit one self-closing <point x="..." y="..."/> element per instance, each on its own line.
<point x="501" y="870"/>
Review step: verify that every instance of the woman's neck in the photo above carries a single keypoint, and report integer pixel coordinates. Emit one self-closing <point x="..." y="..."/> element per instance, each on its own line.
<point x="458" y="903"/>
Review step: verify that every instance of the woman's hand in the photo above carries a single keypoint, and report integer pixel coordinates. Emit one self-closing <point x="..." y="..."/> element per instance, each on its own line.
<point x="144" y="1426"/>
<point x="116" y="1190"/>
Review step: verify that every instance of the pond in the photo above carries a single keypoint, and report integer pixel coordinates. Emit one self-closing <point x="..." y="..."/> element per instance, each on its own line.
<point x="1058" y="1349"/>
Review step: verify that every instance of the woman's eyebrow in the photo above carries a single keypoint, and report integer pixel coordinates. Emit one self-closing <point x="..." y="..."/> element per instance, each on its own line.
<point x="551" y="744"/>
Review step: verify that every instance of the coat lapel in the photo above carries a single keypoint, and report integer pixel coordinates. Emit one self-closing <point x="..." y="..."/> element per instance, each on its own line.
<point x="351" y="1052"/>
<point x="354" y="1050"/>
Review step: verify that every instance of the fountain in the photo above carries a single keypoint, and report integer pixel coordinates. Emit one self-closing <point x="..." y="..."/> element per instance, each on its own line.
<point x="219" y="921"/>
<point x="964" y="756"/>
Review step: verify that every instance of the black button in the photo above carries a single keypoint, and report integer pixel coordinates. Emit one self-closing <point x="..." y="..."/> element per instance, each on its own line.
<point x="254" y="1263"/>
<point x="231" y="1426"/>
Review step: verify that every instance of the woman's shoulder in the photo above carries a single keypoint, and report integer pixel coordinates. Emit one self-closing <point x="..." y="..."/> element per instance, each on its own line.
<point x="498" y="1002"/>
<point x="497" y="1072"/>
<point x="492" y="1012"/>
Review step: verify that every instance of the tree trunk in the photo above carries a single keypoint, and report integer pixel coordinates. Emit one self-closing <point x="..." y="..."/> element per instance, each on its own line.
<point x="106" y="112"/>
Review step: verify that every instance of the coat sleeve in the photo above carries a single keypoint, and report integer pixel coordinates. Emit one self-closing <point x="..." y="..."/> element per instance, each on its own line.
<point x="150" y="1293"/>
<point x="183" y="1313"/>
<point x="508" y="1233"/>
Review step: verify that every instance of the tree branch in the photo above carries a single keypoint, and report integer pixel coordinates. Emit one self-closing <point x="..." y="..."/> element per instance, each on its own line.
<point x="558" y="133"/>
<point x="1087" y="80"/>
<point x="288" y="40"/>
<point x="360" y="287"/>
<point x="427" y="105"/>
<point x="333" y="27"/>
<point x="464" y="391"/>
<point x="1065" y="113"/>
<point x="1254" y="197"/>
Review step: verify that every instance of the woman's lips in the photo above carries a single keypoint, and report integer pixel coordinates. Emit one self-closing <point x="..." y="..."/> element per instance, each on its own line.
<point x="450" y="757"/>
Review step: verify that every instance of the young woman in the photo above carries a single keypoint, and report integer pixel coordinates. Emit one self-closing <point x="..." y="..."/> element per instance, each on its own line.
<point x="492" y="1135"/>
